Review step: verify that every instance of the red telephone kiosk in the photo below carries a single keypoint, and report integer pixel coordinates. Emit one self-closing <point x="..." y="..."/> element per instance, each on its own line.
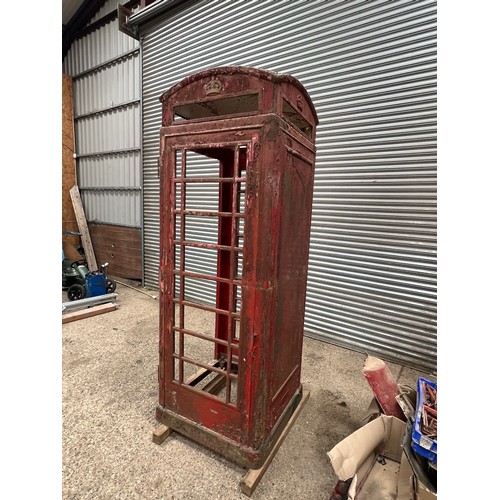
<point x="237" y="157"/>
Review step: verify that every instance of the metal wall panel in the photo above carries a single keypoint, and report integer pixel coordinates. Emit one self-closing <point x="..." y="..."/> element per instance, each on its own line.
<point x="108" y="86"/>
<point x="111" y="171"/>
<point x="112" y="130"/>
<point x="120" y="207"/>
<point x="370" y="68"/>
<point x="105" y="66"/>
<point x="96" y="48"/>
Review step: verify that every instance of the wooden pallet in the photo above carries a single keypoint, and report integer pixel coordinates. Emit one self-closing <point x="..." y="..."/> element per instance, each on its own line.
<point x="253" y="476"/>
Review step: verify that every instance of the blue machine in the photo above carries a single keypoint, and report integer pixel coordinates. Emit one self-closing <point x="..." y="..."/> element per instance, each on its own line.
<point x="90" y="284"/>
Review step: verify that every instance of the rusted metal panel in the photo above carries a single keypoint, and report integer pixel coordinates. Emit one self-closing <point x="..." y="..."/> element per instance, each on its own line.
<point x="265" y="148"/>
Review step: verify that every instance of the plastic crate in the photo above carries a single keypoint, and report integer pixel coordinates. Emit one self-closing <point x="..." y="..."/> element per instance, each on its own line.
<point x="422" y="444"/>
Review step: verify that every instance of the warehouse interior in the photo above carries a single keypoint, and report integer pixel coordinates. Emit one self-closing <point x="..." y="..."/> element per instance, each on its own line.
<point x="130" y="223"/>
<point x="373" y="245"/>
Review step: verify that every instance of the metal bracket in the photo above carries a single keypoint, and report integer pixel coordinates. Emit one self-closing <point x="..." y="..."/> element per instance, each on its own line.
<point x="123" y="26"/>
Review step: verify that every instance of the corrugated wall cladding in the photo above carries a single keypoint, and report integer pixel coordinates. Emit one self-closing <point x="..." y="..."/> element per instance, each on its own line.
<point x="105" y="65"/>
<point x="370" y="68"/>
<point x="112" y="130"/>
<point x="96" y="48"/>
<point x="109" y="86"/>
<point x="111" y="171"/>
<point x="113" y="207"/>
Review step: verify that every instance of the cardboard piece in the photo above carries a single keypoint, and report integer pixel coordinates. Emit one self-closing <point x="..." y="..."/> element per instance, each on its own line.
<point x="409" y="486"/>
<point x="373" y="457"/>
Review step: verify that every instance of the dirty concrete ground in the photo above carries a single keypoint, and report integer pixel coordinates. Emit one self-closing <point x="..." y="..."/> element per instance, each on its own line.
<point x="109" y="394"/>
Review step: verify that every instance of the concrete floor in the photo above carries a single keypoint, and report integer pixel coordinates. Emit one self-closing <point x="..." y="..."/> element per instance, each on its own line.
<point x="108" y="417"/>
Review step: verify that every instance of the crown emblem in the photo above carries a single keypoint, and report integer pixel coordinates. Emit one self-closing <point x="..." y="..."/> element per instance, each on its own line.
<point x="300" y="102"/>
<point x="214" y="86"/>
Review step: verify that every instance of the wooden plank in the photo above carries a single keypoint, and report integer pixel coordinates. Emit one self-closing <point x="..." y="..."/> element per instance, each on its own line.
<point x="197" y="377"/>
<point x="83" y="228"/>
<point x="215" y="385"/>
<point x="87" y="313"/>
<point x="68" y="169"/>
<point x="161" y="433"/>
<point x="253" y="476"/>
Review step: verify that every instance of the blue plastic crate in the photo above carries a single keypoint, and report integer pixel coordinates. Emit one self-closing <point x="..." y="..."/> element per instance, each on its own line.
<point x="422" y="444"/>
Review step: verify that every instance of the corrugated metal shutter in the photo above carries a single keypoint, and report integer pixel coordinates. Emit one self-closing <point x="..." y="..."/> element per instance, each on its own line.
<point x="370" y="68"/>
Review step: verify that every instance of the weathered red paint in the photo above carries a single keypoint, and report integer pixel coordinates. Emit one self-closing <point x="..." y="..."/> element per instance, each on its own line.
<point x="261" y="128"/>
<point x="384" y="386"/>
